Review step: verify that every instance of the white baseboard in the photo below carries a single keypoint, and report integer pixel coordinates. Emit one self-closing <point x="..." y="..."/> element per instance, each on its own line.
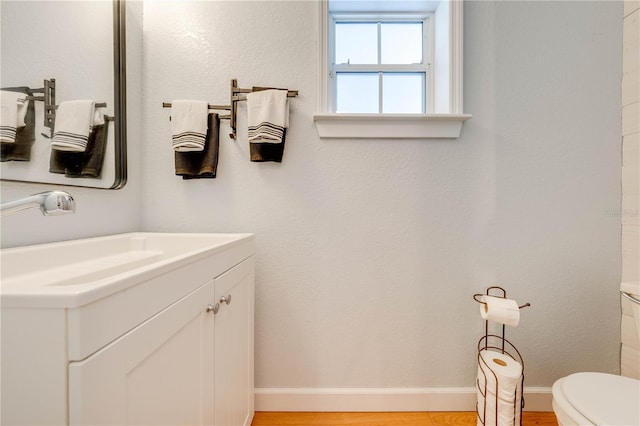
<point x="384" y="399"/>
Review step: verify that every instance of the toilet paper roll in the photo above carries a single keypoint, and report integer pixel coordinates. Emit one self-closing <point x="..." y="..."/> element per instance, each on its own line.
<point x="503" y="377"/>
<point x="507" y="413"/>
<point x="494" y="365"/>
<point x="500" y="310"/>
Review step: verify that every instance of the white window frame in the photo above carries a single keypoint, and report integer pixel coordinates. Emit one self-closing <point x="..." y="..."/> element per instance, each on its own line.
<point x="424" y="67"/>
<point x="440" y="125"/>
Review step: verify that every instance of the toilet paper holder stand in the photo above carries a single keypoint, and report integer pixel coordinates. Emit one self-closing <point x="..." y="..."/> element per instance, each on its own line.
<point x="497" y="343"/>
<point x="503" y="294"/>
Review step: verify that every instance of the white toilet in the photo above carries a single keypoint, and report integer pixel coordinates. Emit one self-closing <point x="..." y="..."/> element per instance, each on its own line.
<point x="598" y="398"/>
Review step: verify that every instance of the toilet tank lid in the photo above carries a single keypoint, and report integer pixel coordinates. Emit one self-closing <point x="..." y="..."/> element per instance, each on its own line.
<point x="604" y="399"/>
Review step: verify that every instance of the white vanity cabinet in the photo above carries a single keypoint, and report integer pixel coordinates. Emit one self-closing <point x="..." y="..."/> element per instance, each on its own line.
<point x="191" y="364"/>
<point x="161" y="372"/>
<point x="175" y="349"/>
<point x="234" y="346"/>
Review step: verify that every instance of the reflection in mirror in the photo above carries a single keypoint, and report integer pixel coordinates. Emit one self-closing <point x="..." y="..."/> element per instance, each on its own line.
<point x="62" y="92"/>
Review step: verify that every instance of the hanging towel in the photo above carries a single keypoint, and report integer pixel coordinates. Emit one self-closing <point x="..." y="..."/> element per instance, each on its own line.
<point x="263" y="152"/>
<point x="74" y="121"/>
<point x="20" y="149"/>
<point x="13" y="109"/>
<point x="189" y="125"/>
<point x="203" y="164"/>
<point x="267" y="115"/>
<point x="86" y="164"/>
<point x="94" y="156"/>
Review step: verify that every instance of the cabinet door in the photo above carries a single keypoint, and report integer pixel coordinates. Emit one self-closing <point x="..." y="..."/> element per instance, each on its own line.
<point x="161" y="372"/>
<point x="234" y="346"/>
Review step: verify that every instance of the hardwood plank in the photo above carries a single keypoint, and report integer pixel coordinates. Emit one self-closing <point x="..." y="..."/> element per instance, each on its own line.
<point x="453" y="418"/>
<point x="388" y="419"/>
<point x="331" y="419"/>
<point x="531" y="418"/>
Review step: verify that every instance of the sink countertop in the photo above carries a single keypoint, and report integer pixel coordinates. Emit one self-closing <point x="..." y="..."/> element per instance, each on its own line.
<point x="74" y="273"/>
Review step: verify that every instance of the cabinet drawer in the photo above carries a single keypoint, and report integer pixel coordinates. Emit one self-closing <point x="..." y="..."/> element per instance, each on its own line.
<point x="92" y="326"/>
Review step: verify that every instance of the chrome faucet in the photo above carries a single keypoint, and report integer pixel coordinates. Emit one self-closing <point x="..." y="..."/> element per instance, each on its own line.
<point x="51" y="203"/>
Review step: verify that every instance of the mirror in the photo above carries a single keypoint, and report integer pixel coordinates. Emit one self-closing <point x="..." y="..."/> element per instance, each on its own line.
<point x="76" y="51"/>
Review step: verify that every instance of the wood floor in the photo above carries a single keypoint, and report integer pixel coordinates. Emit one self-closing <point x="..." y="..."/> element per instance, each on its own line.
<point x="388" y="419"/>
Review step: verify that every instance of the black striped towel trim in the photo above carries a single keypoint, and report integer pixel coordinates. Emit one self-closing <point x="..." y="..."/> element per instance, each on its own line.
<point x="7" y="134"/>
<point x="188" y="138"/>
<point x="266" y="131"/>
<point x="70" y="140"/>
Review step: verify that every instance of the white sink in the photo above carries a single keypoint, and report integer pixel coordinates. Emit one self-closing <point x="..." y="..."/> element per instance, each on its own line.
<point x="73" y="273"/>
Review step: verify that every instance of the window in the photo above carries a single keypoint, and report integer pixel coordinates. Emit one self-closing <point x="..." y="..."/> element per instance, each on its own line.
<point x="381" y="65"/>
<point x="390" y="69"/>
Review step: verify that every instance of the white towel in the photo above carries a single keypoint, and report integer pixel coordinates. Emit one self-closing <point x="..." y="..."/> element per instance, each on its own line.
<point x="74" y="122"/>
<point x="189" y="125"/>
<point x="13" y="110"/>
<point x="267" y="115"/>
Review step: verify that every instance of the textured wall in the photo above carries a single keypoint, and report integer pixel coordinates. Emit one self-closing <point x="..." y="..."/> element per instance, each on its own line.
<point x="368" y="251"/>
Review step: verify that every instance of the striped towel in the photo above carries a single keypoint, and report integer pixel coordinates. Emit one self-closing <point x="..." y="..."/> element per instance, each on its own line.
<point x="267" y="115"/>
<point x="13" y="110"/>
<point x="188" y="125"/>
<point x="74" y="121"/>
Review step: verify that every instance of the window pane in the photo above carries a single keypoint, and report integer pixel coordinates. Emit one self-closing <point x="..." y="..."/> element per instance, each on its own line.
<point x="357" y="92"/>
<point x="356" y="43"/>
<point x="401" y="43"/>
<point x="403" y="93"/>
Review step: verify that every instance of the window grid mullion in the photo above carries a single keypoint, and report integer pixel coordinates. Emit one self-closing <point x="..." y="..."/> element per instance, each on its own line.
<point x="383" y="68"/>
<point x="380" y="92"/>
<point x="379" y="63"/>
<point x="379" y="43"/>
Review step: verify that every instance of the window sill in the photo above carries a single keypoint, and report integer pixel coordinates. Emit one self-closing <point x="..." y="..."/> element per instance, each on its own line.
<point x="390" y="126"/>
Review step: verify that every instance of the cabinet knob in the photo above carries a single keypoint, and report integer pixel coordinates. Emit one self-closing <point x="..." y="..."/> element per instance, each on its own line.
<point x="213" y="308"/>
<point x="226" y="299"/>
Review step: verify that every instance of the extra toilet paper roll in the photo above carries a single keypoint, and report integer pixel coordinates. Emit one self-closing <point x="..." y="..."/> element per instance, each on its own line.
<point x="507" y="414"/>
<point x="500" y="310"/>
<point x="496" y="365"/>
<point x="503" y="377"/>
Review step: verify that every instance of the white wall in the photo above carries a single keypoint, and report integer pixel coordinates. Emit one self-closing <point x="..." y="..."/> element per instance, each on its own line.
<point x="368" y="251"/>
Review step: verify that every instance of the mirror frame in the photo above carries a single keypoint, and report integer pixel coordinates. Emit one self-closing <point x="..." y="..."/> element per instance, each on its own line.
<point x="120" y="103"/>
<point x="120" y="91"/>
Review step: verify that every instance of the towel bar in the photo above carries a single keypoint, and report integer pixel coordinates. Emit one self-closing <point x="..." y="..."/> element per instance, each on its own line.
<point x="235" y="96"/>
<point x="49" y="99"/>
<point x="98" y="105"/>
<point x="214" y="107"/>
